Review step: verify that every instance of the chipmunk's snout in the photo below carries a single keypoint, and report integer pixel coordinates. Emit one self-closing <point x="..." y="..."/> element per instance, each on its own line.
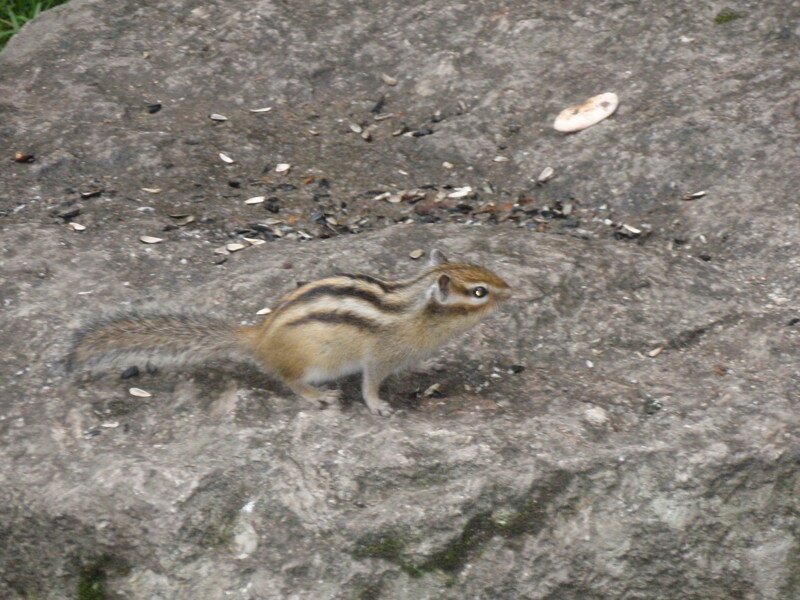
<point x="504" y="293"/>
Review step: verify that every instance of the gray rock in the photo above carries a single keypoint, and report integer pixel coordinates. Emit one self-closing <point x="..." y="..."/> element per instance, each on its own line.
<point x="509" y="486"/>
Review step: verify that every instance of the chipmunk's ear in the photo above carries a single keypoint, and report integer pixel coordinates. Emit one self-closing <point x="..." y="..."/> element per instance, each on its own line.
<point x="437" y="257"/>
<point x="441" y="289"/>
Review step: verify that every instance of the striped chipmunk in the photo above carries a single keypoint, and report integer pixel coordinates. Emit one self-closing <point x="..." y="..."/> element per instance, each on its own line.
<point x="319" y="332"/>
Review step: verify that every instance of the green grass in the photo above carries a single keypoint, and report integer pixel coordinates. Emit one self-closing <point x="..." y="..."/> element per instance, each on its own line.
<point x="15" y="13"/>
<point x="726" y="15"/>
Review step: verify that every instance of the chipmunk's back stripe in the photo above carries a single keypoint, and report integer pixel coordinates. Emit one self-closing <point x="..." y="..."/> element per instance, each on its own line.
<point x="345" y="292"/>
<point x="337" y="318"/>
<point x="386" y="286"/>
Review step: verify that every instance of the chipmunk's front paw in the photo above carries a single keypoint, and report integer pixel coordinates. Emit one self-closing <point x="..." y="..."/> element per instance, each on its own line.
<point x="329" y="397"/>
<point x="430" y="366"/>
<point x="380" y="408"/>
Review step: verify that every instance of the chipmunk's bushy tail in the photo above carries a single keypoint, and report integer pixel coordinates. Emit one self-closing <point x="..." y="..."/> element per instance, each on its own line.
<point x="158" y="339"/>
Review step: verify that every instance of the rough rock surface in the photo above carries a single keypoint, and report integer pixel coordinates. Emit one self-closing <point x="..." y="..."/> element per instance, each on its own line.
<point x="598" y="471"/>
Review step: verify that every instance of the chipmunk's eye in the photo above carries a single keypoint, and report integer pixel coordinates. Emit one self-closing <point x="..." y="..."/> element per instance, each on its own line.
<point x="480" y="291"/>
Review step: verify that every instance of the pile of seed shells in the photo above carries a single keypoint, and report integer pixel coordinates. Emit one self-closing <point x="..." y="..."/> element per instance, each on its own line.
<point x="271" y="210"/>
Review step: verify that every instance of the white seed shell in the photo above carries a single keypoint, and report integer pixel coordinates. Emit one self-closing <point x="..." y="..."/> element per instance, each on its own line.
<point x="149" y="239"/>
<point x="388" y="79"/>
<point x="139" y="393"/>
<point x="261" y="110"/>
<point x="586" y="114"/>
<point x="255" y="200"/>
<point x="226" y="158"/>
<point x="356" y="128"/>
<point x="234" y="247"/>
<point x="264" y="311"/>
<point x="461" y="192"/>
<point x="431" y="390"/>
<point x="77" y="226"/>
<point x="500" y="159"/>
<point x="282" y="167"/>
<point x="152" y="190"/>
<point x="415" y="254"/>
<point x="697" y="195"/>
<point x="546" y="175"/>
<point x="655" y="352"/>
<point x="254" y="241"/>
<point x="217" y="117"/>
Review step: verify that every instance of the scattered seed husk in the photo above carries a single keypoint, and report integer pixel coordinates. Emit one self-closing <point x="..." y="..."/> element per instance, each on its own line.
<point x="217" y="117"/>
<point x="234" y="247"/>
<point x="383" y="117"/>
<point x="154" y="108"/>
<point x="395" y="198"/>
<point x="655" y="352"/>
<point x="415" y="254"/>
<point x="264" y="311"/>
<point x="22" y="157"/>
<point x="282" y="167"/>
<point x="499" y="159"/>
<point x="139" y="393"/>
<point x="76" y="226"/>
<point x="421" y="132"/>
<point x="388" y="79"/>
<point x="270" y="222"/>
<point x="432" y="390"/>
<point x="132" y="371"/>
<point x="331" y="221"/>
<point x="695" y="196"/>
<point x="383" y="196"/>
<point x="152" y="190"/>
<point x="631" y="229"/>
<point x="366" y="135"/>
<point x="255" y="200"/>
<point x="221" y="250"/>
<point x="254" y="241"/>
<point x="226" y="158"/>
<point x="110" y="425"/>
<point x="185" y="221"/>
<point x="149" y="239"/>
<point x="586" y="114"/>
<point x="400" y="131"/>
<point x="313" y="132"/>
<point x="90" y="193"/>
<point x="178" y="215"/>
<point x="356" y="128"/>
<point x="261" y="110"/>
<point x="461" y="192"/>
<point x="546" y="175"/>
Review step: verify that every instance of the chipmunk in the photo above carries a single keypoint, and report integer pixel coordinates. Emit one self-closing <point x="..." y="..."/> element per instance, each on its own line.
<point x="321" y="331"/>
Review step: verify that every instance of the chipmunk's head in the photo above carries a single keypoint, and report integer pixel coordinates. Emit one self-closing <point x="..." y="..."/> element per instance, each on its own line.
<point x="463" y="290"/>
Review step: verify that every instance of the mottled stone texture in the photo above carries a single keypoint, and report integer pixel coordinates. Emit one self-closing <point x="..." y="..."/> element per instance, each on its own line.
<point x="598" y="471"/>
